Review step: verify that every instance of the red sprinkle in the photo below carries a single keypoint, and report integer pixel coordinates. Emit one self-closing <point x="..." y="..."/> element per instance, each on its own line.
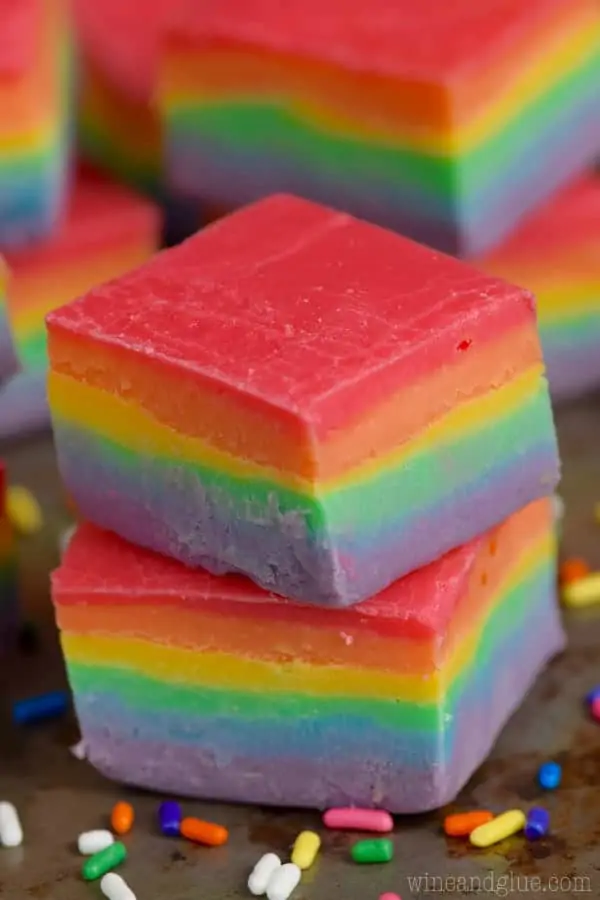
<point x="595" y="709"/>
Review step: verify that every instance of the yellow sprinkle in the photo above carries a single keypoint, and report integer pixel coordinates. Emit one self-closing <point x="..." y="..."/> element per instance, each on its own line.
<point x="306" y="847"/>
<point x="597" y="513"/>
<point x="582" y="592"/>
<point x="501" y="827"/>
<point x="23" y="510"/>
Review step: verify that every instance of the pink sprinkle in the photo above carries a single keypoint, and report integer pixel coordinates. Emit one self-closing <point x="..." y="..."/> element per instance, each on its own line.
<point x="595" y="709"/>
<point x="389" y="896"/>
<point x="351" y="819"/>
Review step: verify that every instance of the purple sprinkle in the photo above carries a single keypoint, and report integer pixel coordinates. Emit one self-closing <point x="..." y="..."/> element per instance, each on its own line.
<point x="538" y="823"/>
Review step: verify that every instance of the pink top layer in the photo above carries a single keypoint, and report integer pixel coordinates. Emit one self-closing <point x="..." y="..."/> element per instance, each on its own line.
<point x="100" y="563"/>
<point x="122" y="37"/>
<point x="100" y="211"/>
<point x="570" y="217"/>
<point x="429" y="40"/>
<point x="304" y="308"/>
<point x="18" y="24"/>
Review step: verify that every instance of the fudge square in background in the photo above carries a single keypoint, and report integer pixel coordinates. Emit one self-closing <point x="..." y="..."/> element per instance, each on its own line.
<point x="183" y="684"/>
<point x="34" y="114"/>
<point x="302" y="397"/>
<point x="8" y="359"/>
<point x="556" y="254"/>
<point x="107" y="230"/>
<point x="8" y="570"/>
<point x="444" y="121"/>
<point x="119" y="125"/>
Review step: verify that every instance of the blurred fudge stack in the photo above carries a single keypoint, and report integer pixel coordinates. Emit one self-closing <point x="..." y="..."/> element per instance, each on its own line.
<point x="106" y="230"/>
<point x="120" y="44"/>
<point x="63" y="227"/>
<point x="454" y="123"/>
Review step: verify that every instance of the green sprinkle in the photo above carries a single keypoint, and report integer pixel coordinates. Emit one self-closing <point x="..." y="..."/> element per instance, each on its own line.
<point x="377" y="850"/>
<point x="101" y="863"/>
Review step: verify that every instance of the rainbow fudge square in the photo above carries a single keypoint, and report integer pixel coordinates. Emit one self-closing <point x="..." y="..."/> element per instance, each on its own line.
<point x="107" y="230"/>
<point x="304" y="398"/>
<point x="8" y="358"/>
<point x="192" y="684"/>
<point x="119" y="123"/>
<point x="417" y="116"/>
<point x="34" y="117"/>
<point x="8" y="571"/>
<point x="556" y="254"/>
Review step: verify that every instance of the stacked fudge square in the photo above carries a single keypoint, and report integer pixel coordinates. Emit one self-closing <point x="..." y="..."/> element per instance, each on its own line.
<point x="314" y="463"/>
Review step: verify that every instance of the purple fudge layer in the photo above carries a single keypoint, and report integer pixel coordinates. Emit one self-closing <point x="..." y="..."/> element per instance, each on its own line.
<point x="192" y="525"/>
<point x="228" y="177"/>
<point x="23" y="405"/>
<point x="117" y="747"/>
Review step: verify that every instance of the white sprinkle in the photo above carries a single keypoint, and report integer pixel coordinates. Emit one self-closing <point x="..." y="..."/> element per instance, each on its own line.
<point x="115" y="888"/>
<point x="558" y="505"/>
<point x="90" y="842"/>
<point x="11" y="833"/>
<point x="79" y="750"/>
<point x="262" y="872"/>
<point x="65" y="538"/>
<point x="283" y="882"/>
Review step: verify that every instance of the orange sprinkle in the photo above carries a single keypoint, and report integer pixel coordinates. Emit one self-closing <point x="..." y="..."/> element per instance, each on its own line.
<point x="121" y="817"/>
<point x="203" y="832"/>
<point x="462" y="824"/>
<point x="573" y="569"/>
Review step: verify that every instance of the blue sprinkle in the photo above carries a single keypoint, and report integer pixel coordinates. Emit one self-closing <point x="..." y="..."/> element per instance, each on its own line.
<point x="169" y="818"/>
<point x="550" y="776"/>
<point x="594" y="694"/>
<point x="538" y="823"/>
<point x="36" y="709"/>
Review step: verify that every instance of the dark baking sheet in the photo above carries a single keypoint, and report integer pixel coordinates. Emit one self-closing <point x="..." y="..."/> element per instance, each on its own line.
<point x="58" y="796"/>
